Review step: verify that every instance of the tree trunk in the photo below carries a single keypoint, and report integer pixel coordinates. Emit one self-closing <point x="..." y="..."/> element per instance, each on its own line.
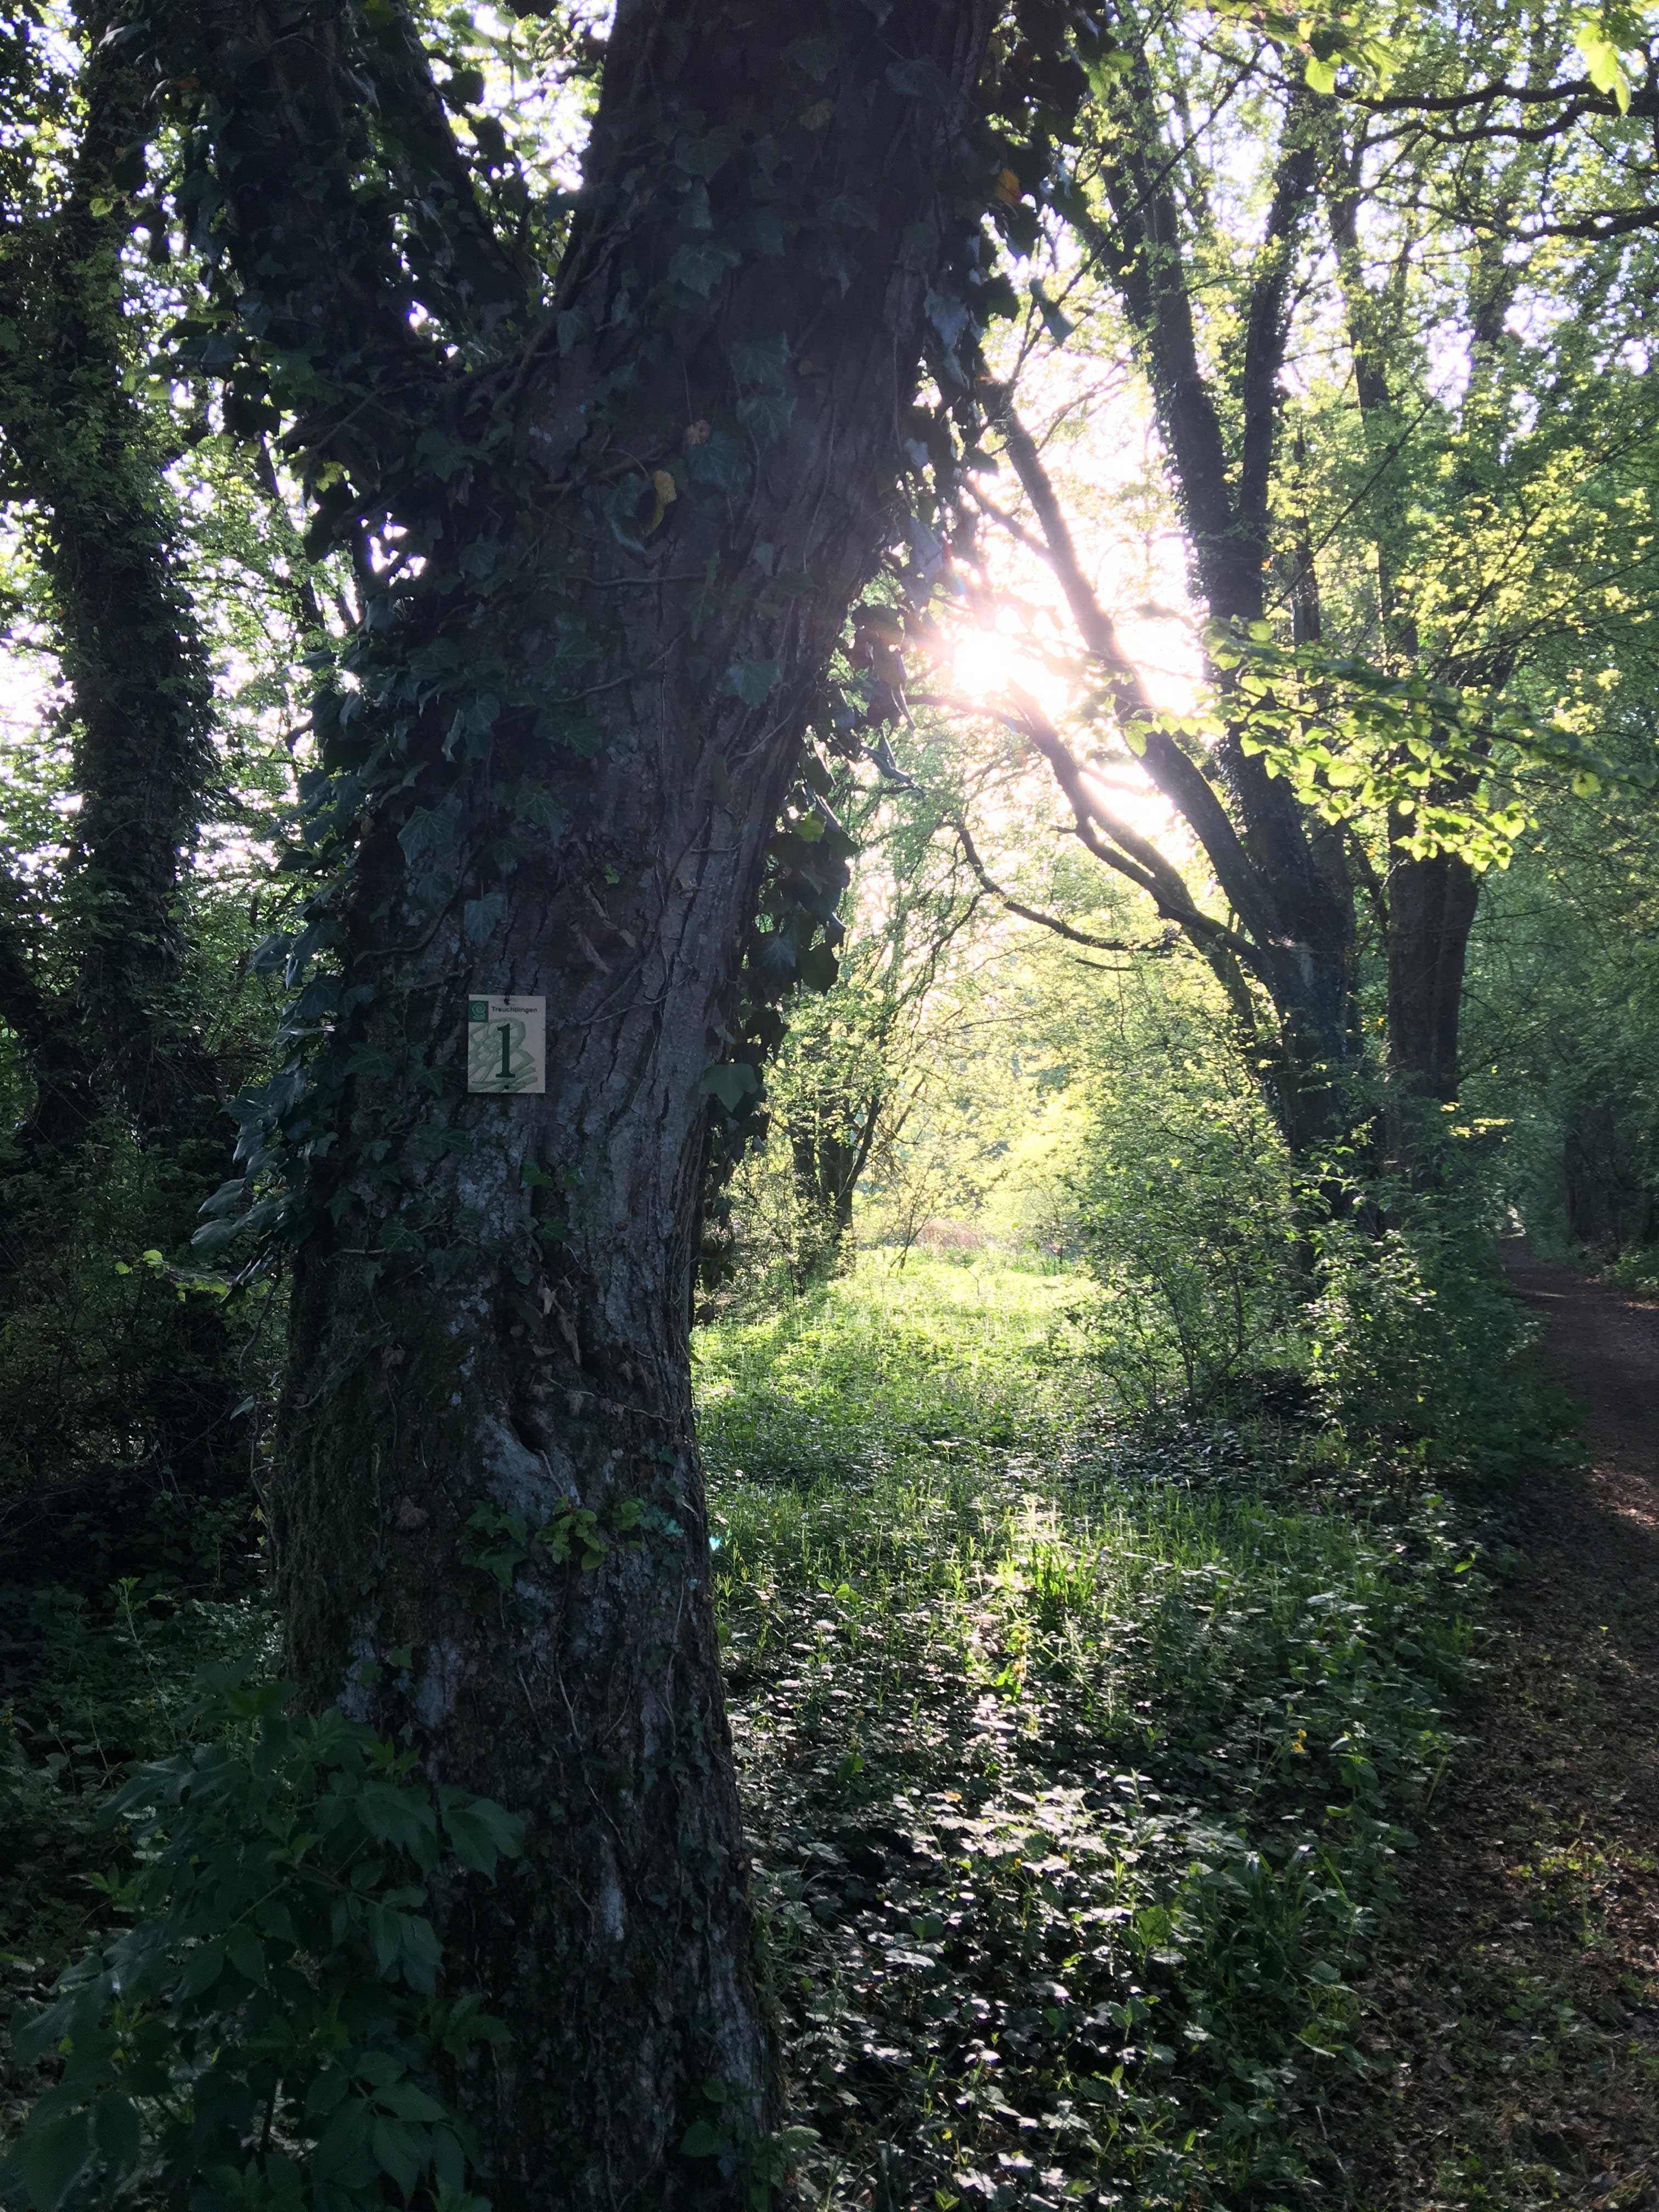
<point x="828" y="1153"/>
<point x="1431" y="907"/>
<point x="114" y="1039"/>
<point x="1283" y="875"/>
<point x="141" y="693"/>
<point x="574" y="723"/>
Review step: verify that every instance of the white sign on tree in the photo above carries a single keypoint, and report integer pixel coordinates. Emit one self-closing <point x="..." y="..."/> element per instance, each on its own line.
<point x="505" y="1044"/>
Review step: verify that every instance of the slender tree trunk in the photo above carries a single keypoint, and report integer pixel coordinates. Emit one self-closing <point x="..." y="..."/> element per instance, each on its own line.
<point x="115" y="1039"/>
<point x="1430" y="901"/>
<point x="48" y="1041"/>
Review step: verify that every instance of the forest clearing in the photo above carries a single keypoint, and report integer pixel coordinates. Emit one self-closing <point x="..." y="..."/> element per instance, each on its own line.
<point x="828" y="1107"/>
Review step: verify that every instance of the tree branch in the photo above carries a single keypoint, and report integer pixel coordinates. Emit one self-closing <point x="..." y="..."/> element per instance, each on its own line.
<point x="1180" y="780"/>
<point x="1051" y="921"/>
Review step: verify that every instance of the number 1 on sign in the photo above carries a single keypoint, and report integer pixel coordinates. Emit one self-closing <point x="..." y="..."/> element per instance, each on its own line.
<point x="505" y="1044"/>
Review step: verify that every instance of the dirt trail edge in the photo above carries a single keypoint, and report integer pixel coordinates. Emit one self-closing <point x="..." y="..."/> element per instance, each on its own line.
<point x="1514" y="2013"/>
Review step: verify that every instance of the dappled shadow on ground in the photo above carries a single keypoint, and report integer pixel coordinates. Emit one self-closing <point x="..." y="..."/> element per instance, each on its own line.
<point x="1515" y="2020"/>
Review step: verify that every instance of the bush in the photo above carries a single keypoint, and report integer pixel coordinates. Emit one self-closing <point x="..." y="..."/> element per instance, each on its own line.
<point x="121" y="1363"/>
<point x="1417" y="1343"/>
<point x="1189" y="1225"/>
<point x="268" y="2030"/>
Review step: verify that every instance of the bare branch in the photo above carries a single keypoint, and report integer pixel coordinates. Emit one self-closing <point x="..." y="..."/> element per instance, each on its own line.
<point x="1052" y="921"/>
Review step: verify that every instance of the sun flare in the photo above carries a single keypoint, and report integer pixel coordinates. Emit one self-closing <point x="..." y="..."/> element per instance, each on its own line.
<point x="987" y="665"/>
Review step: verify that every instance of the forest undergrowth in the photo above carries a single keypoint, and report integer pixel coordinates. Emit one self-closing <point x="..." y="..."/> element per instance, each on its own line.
<point x="1079" y="1761"/>
<point x="1078" y="1767"/>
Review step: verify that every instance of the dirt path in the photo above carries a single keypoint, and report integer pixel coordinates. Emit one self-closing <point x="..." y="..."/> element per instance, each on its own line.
<point x="1515" y="2016"/>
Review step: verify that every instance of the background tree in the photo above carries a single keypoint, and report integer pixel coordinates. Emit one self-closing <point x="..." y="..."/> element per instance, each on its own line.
<point x="122" y="1107"/>
<point x="1399" y="510"/>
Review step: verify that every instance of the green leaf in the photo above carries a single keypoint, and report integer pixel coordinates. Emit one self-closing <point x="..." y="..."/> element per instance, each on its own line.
<point x="396" y="2151"/>
<point x="479" y="917"/>
<point x="700" y="265"/>
<point x="116" y="2131"/>
<point x="480" y="1831"/>
<point x="701" y="2140"/>
<point x="817" y="966"/>
<point x="346" y="2138"/>
<point x="1602" y="60"/>
<point x="466" y="88"/>
<point x="752" y="681"/>
<point x="51" y="2159"/>
<point x="1321" y="74"/>
<point x="405" y="2100"/>
<point x="247" y="1955"/>
<point x="203" y="1968"/>
<point x="1059" y="327"/>
<point x="394" y="1815"/>
<point x="732" y="1082"/>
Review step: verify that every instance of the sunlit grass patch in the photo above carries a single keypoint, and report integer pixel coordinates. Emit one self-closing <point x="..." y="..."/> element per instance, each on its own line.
<point x="876" y="1364"/>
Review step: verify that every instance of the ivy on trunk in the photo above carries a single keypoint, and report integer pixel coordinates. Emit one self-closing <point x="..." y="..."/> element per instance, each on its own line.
<point x="618" y="510"/>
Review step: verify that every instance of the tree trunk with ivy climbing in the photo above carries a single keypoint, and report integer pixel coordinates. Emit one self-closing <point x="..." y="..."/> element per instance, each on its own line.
<point x="618" y="519"/>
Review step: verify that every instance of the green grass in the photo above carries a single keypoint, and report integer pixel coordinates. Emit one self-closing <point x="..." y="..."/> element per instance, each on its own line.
<point x="1076" y="1772"/>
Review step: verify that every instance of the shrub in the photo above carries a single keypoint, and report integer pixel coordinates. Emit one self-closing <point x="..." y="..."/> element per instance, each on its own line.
<point x="268" y="2030"/>
<point x="1416" y="1342"/>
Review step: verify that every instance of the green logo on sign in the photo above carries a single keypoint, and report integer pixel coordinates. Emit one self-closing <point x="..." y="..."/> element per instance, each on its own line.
<point x="478" y="1010"/>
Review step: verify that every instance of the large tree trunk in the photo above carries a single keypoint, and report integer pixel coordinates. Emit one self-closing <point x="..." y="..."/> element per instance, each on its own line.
<point x="576" y="721"/>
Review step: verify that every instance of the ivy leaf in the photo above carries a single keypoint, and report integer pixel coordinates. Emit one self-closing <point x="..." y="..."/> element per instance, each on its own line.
<point x="948" y="317"/>
<point x="922" y="79"/>
<point x="701" y="2140"/>
<point x="752" y="681"/>
<point x="479" y="917"/>
<point x="466" y="88"/>
<point x="731" y="1082"/>
<point x="815" y="56"/>
<point x="700" y="265"/>
<point x="1058" y="325"/>
<point x="849" y="211"/>
<point x="817" y="966"/>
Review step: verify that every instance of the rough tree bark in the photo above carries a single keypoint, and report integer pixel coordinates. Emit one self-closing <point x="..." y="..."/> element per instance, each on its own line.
<point x="640" y="509"/>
